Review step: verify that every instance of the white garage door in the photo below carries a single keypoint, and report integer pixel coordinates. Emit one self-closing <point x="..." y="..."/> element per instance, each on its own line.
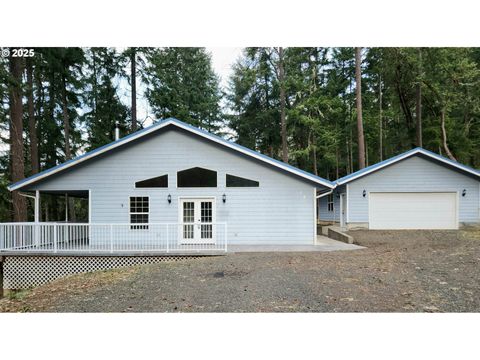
<point x="413" y="211"/>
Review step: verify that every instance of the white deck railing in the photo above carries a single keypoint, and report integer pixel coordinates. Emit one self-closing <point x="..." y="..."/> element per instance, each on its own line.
<point x="113" y="238"/>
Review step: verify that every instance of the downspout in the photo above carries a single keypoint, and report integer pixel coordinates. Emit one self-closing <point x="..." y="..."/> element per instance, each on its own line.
<point x="324" y="194"/>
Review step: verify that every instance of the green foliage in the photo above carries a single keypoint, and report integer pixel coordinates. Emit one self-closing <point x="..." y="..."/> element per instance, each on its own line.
<point x="321" y="103"/>
<point x="101" y="98"/>
<point x="254" y="100"/>
<point x="182" y="84"/>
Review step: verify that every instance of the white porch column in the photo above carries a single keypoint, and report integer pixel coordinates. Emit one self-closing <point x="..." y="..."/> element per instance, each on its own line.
<point x="37" y="206"/>
<point x="37" y="218"/>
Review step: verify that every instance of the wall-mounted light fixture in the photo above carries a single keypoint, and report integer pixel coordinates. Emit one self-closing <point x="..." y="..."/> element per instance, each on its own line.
<point x="224" y="198"/>
<point x="464" y="192"/>
<point x="169" y="198"/>
<point x="364" y="193"/>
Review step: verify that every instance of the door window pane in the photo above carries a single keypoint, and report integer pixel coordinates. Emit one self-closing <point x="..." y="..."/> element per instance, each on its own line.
<point x="206" y="211"/>
<point x="188" y="231"/>
<point x="188" y="212"/>
<point x="206" y="231"/>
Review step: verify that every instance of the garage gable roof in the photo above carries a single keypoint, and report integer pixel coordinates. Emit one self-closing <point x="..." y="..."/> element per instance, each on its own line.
<point x="405" y="155"/>
<point x="160" y="125"/>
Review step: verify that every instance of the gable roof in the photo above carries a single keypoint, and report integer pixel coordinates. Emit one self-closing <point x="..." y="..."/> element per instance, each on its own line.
<point x="160" y="125"/>
<point x="405" y="155"/>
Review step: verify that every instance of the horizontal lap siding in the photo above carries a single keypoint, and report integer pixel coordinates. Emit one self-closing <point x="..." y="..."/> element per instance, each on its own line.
<point x="326" y="215"/>
<point x="414" y="175"/>
<point x="280" y="211"/>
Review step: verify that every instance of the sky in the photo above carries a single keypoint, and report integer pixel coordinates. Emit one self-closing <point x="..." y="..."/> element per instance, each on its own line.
<point x="222" y="60"/>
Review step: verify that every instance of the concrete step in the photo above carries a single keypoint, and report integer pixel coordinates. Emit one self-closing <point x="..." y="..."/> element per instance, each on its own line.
<point x="337" y="233"/>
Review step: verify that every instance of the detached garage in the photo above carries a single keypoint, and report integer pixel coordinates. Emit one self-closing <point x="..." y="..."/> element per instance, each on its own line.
<point x="415" y="190"/>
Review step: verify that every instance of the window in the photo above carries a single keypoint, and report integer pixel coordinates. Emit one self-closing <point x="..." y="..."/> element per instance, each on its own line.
<point x="237" y="181"/>
<point x="330" y="205"/>
<point x="197" y="177"/>
<point x="139" y="208"/>
<point x="156" y="182"/>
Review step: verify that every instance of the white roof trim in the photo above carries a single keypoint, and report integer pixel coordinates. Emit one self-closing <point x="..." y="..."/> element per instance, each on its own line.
<point x="158" y="126"/>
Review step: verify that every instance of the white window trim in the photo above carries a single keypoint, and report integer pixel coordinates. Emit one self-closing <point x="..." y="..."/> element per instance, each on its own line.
<point x="330" y="202"/>
<point x="138" y="213"/>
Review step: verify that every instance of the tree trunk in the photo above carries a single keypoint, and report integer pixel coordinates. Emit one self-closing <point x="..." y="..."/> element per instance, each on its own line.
<point x="418" y="105"/>
<point x="358" y="91"/>
<point x="402" y="98"/>
<point x="66" y="119"/>
<point x="348" y="156"/>
<point x="133" y="79"/>
<point x="281" y="79"/>
<point x="39" y="105"/>
<point x="50" y="147"/>
<point x="16" y="137"/>
<point x="380" y="120"/>
<point x="68" y="151"/>
<point x="444" y="136"/>
<point x="95" y="100"/>
<point x="32" y="123"/>
<point x="366" y="154"/>
<point x="351" y="150"/>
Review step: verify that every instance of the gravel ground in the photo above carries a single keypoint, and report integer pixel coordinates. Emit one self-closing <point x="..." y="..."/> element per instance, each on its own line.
<point x="399" y="271"/>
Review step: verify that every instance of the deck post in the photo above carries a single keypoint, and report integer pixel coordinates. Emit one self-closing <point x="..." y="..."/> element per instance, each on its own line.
<point x="37" y="206"/>
<point x="55" y="238"/>
<point x="36" y="227"/>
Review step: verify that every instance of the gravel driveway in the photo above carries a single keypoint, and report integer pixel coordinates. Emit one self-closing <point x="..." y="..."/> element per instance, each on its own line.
<point x="398" y="272"/>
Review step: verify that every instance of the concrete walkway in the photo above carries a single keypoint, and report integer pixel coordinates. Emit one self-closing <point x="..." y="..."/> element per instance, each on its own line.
<point x="323" y="243"/>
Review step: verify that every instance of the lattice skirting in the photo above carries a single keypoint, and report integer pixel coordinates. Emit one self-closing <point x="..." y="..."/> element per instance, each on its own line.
<point x="23" y="272"/>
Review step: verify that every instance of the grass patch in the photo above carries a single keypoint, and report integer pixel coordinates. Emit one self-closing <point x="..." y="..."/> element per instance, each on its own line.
<point x="17" y="294"/>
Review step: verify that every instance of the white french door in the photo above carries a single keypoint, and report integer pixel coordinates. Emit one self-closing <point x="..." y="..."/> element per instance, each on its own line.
<point x="197" y="217"/>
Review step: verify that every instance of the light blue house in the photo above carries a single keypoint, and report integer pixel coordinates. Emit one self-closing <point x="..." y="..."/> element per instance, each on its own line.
<point x="414" y="190"/>
<point x="172" y="186"/>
